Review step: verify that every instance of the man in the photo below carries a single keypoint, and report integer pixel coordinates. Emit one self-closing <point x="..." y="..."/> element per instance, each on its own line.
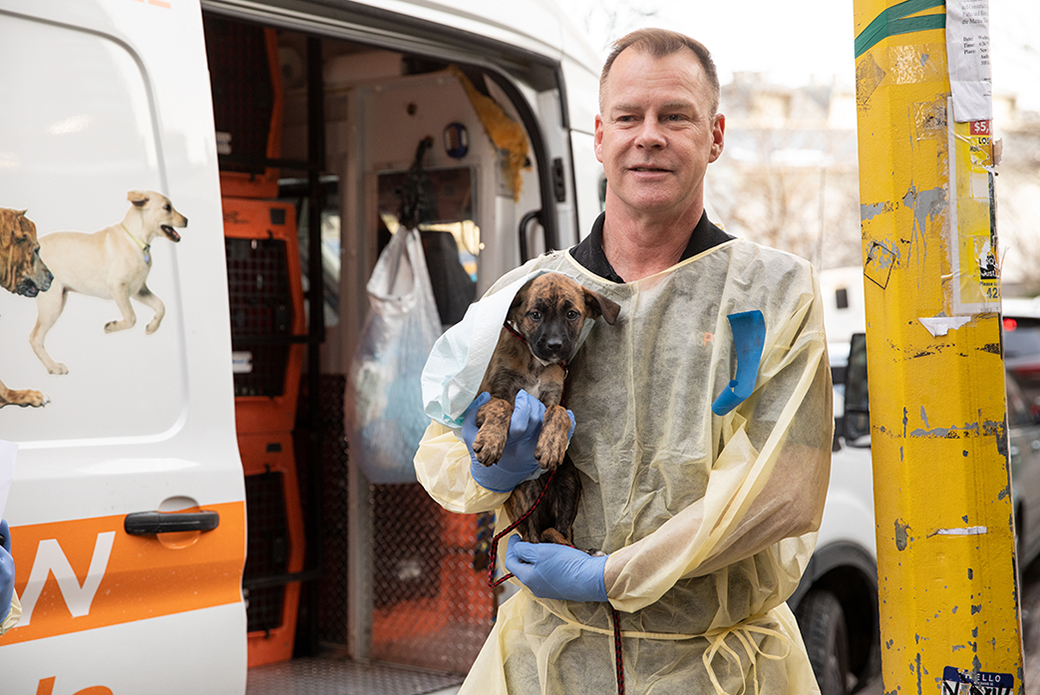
<point x="703" y="426"/>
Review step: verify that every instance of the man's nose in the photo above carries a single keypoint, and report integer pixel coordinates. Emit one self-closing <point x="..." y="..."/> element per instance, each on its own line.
<point x="651" y="134"/>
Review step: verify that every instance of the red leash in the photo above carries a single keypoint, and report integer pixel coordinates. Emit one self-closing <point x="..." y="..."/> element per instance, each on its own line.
<point x="493" y="553"/>
<point x="615" y="617"/>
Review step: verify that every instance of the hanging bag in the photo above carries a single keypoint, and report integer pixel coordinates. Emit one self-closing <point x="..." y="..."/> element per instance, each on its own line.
<point x="385" y="407"/>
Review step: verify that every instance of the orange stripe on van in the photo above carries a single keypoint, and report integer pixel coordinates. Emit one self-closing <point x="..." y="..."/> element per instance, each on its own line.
<point x="145" y="577"/>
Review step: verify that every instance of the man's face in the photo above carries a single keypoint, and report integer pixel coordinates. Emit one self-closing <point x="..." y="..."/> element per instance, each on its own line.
<point x="656" y="135"/>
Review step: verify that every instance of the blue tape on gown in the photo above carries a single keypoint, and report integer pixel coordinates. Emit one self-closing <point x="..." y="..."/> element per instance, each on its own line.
<point x="749" y="335"/>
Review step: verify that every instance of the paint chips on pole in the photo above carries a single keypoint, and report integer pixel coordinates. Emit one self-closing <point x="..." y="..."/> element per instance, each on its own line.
<point x="967" y="51"/>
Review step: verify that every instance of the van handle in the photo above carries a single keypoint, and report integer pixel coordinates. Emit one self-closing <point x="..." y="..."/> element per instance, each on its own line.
<point x="152" y="523"/>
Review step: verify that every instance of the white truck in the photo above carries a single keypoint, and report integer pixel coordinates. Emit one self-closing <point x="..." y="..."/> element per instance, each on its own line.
<point x="198" y="137"/>
<point x="128" y="505"/>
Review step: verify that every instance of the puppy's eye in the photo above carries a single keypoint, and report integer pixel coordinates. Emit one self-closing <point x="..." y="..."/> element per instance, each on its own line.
<point x="534" y="315"/>
<point x="573" y="315"/>
<point x="166" y="207"/>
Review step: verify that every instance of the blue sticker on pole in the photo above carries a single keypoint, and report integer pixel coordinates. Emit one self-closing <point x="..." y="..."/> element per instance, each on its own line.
<point x="962" y="681"/>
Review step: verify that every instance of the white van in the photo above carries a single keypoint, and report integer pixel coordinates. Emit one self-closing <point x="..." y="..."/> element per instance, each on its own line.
<point x="183" y="129"/>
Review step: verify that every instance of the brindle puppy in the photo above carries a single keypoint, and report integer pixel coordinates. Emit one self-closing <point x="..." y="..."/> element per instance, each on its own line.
<point x="539" y="338"/>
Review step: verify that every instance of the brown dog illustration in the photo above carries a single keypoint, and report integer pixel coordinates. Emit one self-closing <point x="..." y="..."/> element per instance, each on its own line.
<point x="21" y="272"/>
<point x="539" y="338"/>
<point x="111" y="264"/>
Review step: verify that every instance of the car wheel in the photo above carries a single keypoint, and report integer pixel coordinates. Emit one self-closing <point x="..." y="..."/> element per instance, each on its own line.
<point x="822" y="621"/>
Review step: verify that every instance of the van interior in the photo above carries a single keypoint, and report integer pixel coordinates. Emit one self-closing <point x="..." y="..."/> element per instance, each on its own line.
<point x="328" y="147"/>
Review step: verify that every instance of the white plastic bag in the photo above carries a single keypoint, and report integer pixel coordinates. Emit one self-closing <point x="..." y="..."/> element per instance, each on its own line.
<point x="384" y="395"/>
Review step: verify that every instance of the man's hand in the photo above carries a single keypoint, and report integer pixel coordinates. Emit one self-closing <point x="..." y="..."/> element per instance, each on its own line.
<point x="557" y="571"/>
<point x="517" y="462"/>
<point x="6" y="572"/>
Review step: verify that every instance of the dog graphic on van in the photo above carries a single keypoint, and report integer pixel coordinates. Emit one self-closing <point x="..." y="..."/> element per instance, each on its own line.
<point x="22" y="272"/>
<point x="111" y="264"/>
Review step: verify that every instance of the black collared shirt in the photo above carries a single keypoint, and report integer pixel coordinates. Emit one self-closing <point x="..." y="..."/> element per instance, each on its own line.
<point x="589" y="253"/>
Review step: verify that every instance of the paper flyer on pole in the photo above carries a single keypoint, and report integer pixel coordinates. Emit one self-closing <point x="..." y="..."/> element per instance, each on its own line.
<point x="967" y="51"/>
<point x="8" y="451"/>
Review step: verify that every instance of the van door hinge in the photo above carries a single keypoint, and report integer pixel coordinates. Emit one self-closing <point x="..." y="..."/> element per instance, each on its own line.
<point x="559" y="185"/>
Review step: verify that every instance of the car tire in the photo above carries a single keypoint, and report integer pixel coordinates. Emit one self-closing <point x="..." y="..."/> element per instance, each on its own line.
<point x="822" y="621"/>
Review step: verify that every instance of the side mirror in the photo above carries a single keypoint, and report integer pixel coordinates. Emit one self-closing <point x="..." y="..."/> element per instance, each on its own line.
<point x="856" y="425"/>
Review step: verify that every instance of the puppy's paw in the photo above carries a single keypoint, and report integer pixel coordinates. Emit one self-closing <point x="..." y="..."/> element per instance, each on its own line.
<point x="114" y="326"/>
<point x="551" y="449"/>
<point x="36" y="399"/>
<point x="488" y="447"/>
<point x="26" y="398"/>
<point x="152" y="327"/>
<point x="551" y="535"/>
<point x="58" y="368"/>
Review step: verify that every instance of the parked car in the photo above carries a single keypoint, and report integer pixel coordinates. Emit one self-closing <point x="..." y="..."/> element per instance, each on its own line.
<point x="1022" y="344"/>
<point x="836" y="601"/>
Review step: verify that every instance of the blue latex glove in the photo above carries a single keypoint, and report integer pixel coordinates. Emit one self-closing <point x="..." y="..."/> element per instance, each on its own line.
<point x="517" y="462"/>
<point x="6" y="572"/>
<point x="557" y="571"/>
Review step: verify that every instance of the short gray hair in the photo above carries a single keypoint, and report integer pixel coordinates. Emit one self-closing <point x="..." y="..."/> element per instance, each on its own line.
<point x="662" y="43"/>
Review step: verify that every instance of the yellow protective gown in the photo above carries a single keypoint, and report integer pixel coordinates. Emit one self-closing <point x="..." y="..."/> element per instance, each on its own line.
<point x="708" y="521"/>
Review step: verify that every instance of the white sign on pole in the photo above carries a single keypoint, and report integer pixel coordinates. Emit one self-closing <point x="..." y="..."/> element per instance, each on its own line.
<point x="967" y="50"/>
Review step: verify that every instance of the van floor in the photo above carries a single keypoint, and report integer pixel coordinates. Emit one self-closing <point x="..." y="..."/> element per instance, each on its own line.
<point x="335" y="675"/>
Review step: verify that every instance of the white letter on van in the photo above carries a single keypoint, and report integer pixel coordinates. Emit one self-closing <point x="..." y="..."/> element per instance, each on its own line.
<point x="50" y="558"/>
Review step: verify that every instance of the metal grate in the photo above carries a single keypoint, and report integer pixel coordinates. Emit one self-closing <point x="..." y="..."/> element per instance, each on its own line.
<point x="243" y="95"/>
<point x="432" y="607"/>
<point x="328" y="676"/>
<point x="333" y="599"/>
<point x="261" y="312"/>
<point x="267" y="549"/>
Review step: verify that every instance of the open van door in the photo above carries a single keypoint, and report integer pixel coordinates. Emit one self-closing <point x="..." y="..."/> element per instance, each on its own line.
<point x="126" y="511"/>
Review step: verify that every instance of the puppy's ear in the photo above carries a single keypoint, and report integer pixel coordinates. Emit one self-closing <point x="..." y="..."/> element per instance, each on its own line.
<point x="601" y="306"/>
<point x="138" y="198"/>
<point x="519" y="301"/>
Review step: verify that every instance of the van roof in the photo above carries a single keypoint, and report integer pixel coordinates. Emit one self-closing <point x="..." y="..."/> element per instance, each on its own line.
<point x="542" y="26"/>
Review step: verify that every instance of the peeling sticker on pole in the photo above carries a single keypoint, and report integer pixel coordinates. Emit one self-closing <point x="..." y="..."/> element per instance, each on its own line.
<point x="964" y="531"/>
<point x="962" y="681"/>
<point x="973" y="231"/>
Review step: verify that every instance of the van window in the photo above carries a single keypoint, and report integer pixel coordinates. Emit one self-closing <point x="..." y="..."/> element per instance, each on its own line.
<point x="70" y="162"/>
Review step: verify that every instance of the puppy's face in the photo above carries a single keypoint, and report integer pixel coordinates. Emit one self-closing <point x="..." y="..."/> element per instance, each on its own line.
<point x="22" y="271"/>
<point x="549" y="312"/>
<point x="157" y="214"/>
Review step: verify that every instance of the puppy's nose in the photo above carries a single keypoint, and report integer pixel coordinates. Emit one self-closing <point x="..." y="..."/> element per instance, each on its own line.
<point x="554" y="345"/>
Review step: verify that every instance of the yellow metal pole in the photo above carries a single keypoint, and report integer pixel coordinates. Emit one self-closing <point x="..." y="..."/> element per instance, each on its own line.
<point x="945" y="524"/>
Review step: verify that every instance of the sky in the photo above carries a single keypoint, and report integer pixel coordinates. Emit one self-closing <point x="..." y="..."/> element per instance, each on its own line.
<point x="792" y="42"/>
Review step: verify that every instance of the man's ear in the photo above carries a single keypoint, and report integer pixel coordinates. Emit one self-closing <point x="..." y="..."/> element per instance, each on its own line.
<point x="718" y="132"/>
<point x="598" y="138"/>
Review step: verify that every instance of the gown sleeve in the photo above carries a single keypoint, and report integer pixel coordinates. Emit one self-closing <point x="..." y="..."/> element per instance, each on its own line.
<point x="442" y="467"/>
<point x="768" y="482"/>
